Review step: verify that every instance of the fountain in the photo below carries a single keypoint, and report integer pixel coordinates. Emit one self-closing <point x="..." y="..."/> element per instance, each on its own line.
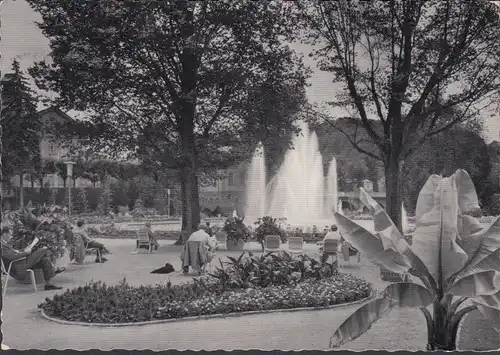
<point x="297" y="192"/>
<point x="255" y="206"/>
<point x="339" y="208"/>
<point x="331" y="197"/>
<point x="404" y="219"/>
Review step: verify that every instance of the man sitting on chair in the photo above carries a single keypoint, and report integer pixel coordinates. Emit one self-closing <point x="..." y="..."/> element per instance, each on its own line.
<point x="206" y="242"/>
<point x="151" y="235"/>
<point x="38" y="259"/>
<point x="332" y="234"/>
<point x="90" y="243"/>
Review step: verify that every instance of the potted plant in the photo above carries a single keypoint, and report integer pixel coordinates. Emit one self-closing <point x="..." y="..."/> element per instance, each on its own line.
<point x="237" y="233"/>
<point x="453" y="256"/>
<point x="268" y="226"/>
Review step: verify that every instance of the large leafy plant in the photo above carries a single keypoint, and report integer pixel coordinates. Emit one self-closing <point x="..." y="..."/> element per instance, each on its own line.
<point x="268" y="226"/>
<point x="454" y="257"/>
<point x="236" y="229"/>
<point x="48" y="225"/>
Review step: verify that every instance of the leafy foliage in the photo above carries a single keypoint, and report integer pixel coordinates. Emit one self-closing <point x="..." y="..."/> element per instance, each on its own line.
<point x="48" y="227"/>
<point x="20" y="123"/>
<point x="268" y="226"/>
<point x="236" y="229"/>
<point x="398" y="64"/>
<point x="451" y="254"/>
<point x="104" y="204"/>
<point x="81" y="202"/>
<point x="97" y="302"/>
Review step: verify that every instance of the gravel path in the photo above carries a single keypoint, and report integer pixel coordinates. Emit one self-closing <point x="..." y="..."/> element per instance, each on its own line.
<point x="24" y="328"/>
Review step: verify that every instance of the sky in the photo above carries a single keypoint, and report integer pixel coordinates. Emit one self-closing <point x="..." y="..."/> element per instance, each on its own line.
<point x="22" y="39"/>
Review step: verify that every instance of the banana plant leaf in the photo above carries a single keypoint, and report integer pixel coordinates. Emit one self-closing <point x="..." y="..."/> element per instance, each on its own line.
<point x="491" y="314"/>
<point x="370" y="245"/>
<point x="434" y="239"/>
<point x="489" y="243"/>
<point x="387" y="231"/>
<point x="361" y="320"/>
<point x="408" y="295"/>
<point x="492" y="301"/>
<point x="482" y="283"/>
<point x="470" y="233"/>
<point x="425" y="200"/>
<point x="467" y="197"/>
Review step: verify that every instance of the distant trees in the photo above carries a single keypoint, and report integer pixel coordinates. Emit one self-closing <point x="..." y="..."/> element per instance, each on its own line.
<point x="409" y="70"/>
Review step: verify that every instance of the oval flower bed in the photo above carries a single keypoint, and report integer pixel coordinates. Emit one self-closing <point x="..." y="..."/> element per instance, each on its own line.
<point x="248" y="284"/>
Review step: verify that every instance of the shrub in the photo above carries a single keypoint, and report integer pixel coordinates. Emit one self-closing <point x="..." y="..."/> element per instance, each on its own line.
<point x="81" y="202"/>
<point x="48" y="227"/>
<point x="236" y="230"/>
<point x="97" y="302"/>
<point x="104" y="204"/>
<point x="268" y="226"/>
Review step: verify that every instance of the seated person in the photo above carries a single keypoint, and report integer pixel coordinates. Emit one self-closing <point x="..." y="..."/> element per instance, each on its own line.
<point x="206" y="243"/>
<point x="37" y="259"/>
<point x="332" y="234"/>
<point x="152" y="237"/>
<point x="90" y="243"/>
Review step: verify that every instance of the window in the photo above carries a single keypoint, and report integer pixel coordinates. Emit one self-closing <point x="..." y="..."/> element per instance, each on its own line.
<point x="230" y="178"/>
<point x="242" y="178"/>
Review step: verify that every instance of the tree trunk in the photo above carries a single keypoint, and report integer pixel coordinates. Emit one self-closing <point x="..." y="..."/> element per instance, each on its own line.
<point x="441" y="339"/>
<point x="393" y="191"/>
<point x="21" y="190"/>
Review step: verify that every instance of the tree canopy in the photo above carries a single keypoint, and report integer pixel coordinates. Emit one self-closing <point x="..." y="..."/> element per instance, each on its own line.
<point x="174" y="81"/>
<point x="418" y="67"/>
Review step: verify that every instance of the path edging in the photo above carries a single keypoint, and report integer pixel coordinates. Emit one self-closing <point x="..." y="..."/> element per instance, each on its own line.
<point x="372" y="295"/>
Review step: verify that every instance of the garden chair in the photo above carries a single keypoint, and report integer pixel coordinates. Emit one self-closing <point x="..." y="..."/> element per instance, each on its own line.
<point x="272" y="243"/>
<point x="330" y="249"/>
<point x="296" y="245"/>
<point x="143" y="240"/>
<point x="96" y="250"/>
<point x="6" y="272"/>
<point x="221" y="240"/>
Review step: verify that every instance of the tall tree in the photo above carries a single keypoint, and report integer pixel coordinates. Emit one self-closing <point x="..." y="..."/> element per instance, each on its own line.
<point x="167" y="78"/>
<point x="20" y="124"/>
<point x="406" y="64"/>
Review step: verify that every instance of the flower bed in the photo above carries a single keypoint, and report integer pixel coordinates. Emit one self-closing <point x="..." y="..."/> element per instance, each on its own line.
<point x="114" y="233"/>
<point x="248" y="283"/>
<point x="98" y="303"/>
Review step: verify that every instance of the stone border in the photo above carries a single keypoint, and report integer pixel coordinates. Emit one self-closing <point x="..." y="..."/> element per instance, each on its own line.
<point x="372" y="295"/>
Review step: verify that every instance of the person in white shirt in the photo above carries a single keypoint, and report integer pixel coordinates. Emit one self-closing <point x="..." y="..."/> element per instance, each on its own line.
<point x="332" y="234"/>
<point x="199" y="236"/>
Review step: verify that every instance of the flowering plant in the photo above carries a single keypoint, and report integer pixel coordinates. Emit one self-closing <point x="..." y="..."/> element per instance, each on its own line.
<point x="236" y="230"/>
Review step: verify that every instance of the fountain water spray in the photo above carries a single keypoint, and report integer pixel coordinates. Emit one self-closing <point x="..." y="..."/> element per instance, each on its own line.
<point x="255" y="206"/>
<point x="404" y="219"/>
<point x="331" y="188"/>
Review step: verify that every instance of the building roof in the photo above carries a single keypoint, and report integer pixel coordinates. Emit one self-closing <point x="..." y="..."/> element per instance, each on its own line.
<point x="57" y="110"/>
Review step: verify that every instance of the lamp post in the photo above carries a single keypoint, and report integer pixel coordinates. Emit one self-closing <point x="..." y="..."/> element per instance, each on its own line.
<point x="69" y="173"/>
<point x="168" y="202"/>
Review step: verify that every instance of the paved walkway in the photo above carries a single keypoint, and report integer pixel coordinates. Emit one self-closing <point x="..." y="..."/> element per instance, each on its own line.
<point x="24" y="328"/>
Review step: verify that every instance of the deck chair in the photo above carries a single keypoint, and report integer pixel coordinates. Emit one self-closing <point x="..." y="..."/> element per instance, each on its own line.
<point x="296" y="245"/>
<point x="330" y="249"/>
<point x="96" y="250"/>
<point x="272" y="243"/>
<point x="221" y="240"/>
<point x="6" y="273"/>
<point x="143" y="240"/>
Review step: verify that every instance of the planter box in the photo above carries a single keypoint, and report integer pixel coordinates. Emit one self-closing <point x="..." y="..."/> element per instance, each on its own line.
<point x="38" y="277"/>
<point x="235" y="245"/>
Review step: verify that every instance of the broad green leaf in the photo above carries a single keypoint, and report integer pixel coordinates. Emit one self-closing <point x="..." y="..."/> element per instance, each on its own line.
<point x="481" y="283"/>
<point x="408" y="295"/>
<point x="470" y="233"/>
<point x="425" y="201"/>
<point x="434" y="239"/>
<point x="467" y="197"/>
<point x="489" y="243"/>
<point x="491" y="314"/>
<point x="392" y="238"/>
<point x="370" y="245"/>
<point x="360" y="321"/>
<point x="492" y="301"/>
